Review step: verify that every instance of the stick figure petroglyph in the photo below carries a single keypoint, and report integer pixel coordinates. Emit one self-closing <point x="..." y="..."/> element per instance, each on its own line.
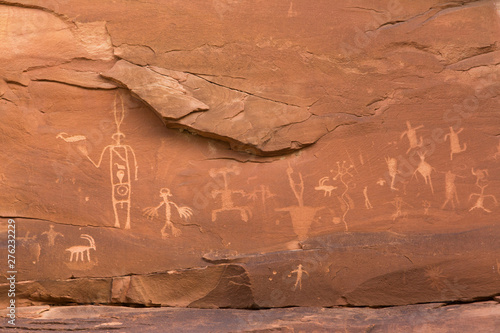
<point x="451" y="190"/>
<point x="52" y="235"/>
<point x="392" y="165"/>
<point x="119" y="168"/>
<point x="368" y="205"/>
<point x="226" y="194"/>
<point x="80" y="250"/>
<point x="411" y="133"/>
<point x="300" y="271"/>
<point x="480" y="199"/>
<point x="184" y="212"/>
<point x="326" y="188"/>
<point x="455" y="142"/>
<point x="425" y="170"/>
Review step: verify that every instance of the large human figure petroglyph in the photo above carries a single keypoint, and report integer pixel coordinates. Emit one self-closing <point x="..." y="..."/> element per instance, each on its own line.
<point x="392" y="165"/>
<point x="411" y="133"/>
<point x="226" y="194"/>
<point x="184" y="212"/>
<point x="300" y="272"/>
<point x="455" y="142"/>
<point x="450" y="190"/>
<point x="302" y="216"/>
<point x="119" y="168"/>
<point x="480" y="199"/>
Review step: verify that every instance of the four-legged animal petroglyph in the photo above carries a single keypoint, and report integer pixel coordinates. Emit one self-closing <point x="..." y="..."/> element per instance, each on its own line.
<point x="119" y="168"/>
<point x="455" y="142"/>
<point x="299" y="271"/>
<point x="326" y="188"/>
<point x="226" y="194"/>
<point x="392" y="165"/>
<point x="52" y="235"/>
<point x="80" y="250"/>
<point x="480" y="199"/>
<point x="411" y="133"/>
<point x="425" y="170"/>
<point x="450" y="190"/>
<point x="184" y="212"/>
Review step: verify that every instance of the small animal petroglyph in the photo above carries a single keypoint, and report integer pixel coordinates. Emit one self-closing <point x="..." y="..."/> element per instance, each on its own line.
<point x="455" y="142"/>
<point x="411" y="133"/>
<point x="392" y="165"/>
<point x="326" y="188"/>
<point x="425" y="170"/>
<point x="80" y="250"/>
<point x="184" y="212"/>
<point x="480" y="199"/>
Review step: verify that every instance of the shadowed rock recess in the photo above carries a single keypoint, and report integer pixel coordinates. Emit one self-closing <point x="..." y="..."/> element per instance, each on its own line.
<point x="252" y="155"/>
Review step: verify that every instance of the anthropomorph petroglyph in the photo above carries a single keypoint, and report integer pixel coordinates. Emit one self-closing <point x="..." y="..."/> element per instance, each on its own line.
<point x="326" y="188"/>
<point x="392" y="165"/>
<point x="411" y="133"/>
<point x="184" y="212"/>
<point x="81" y="250"/>
<point x="481" y="175"/>
<point x="343" y="174"/>
<point x="52" y="235"/>
<point x="399" y="203"/>
<point x="119" y="168"/>
<point x="425" y="170"/>
<point x="31" y="244"/>
<point x="299" y="271"/>
<point x="480" y="199"/>
<point x="450" y="190"/>
<point x="368" y="205"/>
<point x="455" y="142"/>
<point x="226" y="194"/>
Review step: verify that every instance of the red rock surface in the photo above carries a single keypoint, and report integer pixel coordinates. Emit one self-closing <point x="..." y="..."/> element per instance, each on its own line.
<point x="309" y="153"/>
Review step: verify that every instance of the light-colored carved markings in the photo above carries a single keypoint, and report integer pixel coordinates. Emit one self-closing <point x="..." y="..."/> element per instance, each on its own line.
<point x="52" y="235"/>
<point x="481" y="175"/>
<point x="398" y="204"/>
<point x="263" y="192"/>
<point x="455" y="142"/>
<point x="426" y="204"/>
<point x="392" y="165"/>
<point x="79" y="251"/>
<point x="119" y="167"/>
<point x="450" y="190"/>
<point x="368" y="205"/>
<point x="480" y="199"/>
<point x="32" y="245"/>
<point x="343" y="174"/>
<point x="300" y="271"/>
<point x="324" y="187"/>
<point x="184" y="212"/>
<point x="425" y="170"/>
<point x="411" y="133"/>
<point x="226" y="194"/>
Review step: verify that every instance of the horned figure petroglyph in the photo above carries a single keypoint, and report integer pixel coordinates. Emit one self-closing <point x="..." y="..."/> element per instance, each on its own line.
<point x="392" y="165"/>
<point x="184" y="212"/>
<point x="480" y="199"/>
<point x="326" y="188"/>
<point x="451" y="190"/>
<point x="226" y="194"/>
<point x="455" y="142"/>
<point x="299" y="271"/>
<point x="80" y="250"/>
<point x="411" y="133"/>
<point x="119" y="168"/>
<point x="425" y="170"/>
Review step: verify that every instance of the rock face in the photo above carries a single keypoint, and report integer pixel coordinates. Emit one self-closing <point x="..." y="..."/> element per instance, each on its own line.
<point x="308" y="153"/>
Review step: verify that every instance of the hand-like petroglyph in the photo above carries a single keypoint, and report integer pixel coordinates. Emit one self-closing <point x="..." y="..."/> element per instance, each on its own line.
<point x="481" y="175"/>
<point x="451" y="190"/>
<point x="326" y="188"/>
<point x="342" y="172"/>
<point x="392" y="165"/>
<point x="411" y="133"/>
<point x="31" y="245"/>
<point x="264" y="193"/>
<point x="426" y="204"/>
<point x="52" y="235"/>
<point x="399" y="203"/>
<point x="480" y="199"/>
<point x="299" y="271"/>
<point x="302" y="216"/>
<point x="119" y="168"/>
<point x="425" y="170"/>
<point x="226" y="194"/>
<point x="455" y="142"/>
<point x="368" y="205"/>
<point x="184" y="212"/>
<point x="80" y="250"/>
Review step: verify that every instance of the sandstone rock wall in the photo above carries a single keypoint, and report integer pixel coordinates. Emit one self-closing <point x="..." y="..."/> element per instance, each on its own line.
<point x="235" y="153"/>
